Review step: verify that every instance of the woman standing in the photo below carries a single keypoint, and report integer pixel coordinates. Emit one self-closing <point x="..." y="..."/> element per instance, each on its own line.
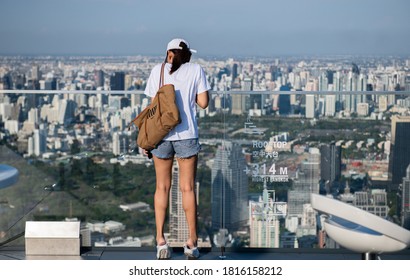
<point x="191" y="89"/>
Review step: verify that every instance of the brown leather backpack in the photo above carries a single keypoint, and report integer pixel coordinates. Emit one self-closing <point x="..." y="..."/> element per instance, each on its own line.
<point x="159" y="118"/>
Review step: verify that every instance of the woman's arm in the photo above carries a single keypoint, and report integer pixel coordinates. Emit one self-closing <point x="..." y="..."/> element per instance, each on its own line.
<point x="202" y="99"/>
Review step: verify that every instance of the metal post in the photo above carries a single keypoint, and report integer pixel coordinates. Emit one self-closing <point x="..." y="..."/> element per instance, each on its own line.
<point x="369" y="256"/>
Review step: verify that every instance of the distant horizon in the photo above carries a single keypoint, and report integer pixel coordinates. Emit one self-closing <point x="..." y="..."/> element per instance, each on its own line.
<point x="209" y="56"/>
<point x="229" y="28"/>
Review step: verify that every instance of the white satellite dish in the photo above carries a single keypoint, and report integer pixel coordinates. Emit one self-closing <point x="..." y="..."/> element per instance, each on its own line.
<point x="359" y="230"/>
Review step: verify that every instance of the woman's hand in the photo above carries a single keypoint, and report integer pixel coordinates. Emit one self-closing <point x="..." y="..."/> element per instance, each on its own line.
<point x="148" y="153"/>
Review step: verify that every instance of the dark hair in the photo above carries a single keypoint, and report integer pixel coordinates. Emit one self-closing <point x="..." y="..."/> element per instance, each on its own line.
<point x="180" y="57"/>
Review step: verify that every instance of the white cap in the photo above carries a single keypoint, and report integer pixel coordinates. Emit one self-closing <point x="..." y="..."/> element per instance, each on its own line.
<point x="174" y="45"/>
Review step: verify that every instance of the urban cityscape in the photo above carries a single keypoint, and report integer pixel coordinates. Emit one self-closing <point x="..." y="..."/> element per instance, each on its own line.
<point x="276" y="130"/>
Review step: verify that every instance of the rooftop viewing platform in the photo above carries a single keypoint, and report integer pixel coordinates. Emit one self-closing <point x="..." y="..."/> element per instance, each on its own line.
<point x="274" y="132"/>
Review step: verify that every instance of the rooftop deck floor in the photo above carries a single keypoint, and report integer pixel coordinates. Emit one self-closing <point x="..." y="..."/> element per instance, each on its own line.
<point x="148" y="253"/>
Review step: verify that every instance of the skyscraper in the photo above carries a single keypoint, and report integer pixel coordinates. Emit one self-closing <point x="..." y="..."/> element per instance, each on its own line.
<point x="310" y="106"/>
<point x="306" y="182"/>
<point x="330" y="105"/>
<point x="400" y="148"/>
<point x="35" y="73"/>
<point x="178" y="226"/>
<point x="239" y="103"/>
<point x="99" y="78"/>
<point x="229" y="188"/>
<point x="284" y="101"/>
<point x="330" y="163"/>
<point x="40" y="141"/>
<point x="120" y="143"/>
<point x="117" y="81"/>
<point x="264" y="220"/>
<point x="405" y="196"/>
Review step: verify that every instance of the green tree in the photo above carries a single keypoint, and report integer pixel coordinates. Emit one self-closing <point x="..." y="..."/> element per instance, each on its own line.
<point x="75" y="147"/>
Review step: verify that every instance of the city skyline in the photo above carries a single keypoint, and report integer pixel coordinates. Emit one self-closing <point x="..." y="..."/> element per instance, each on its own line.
<point x="245" y="143"/>
<point x="267" y="28"/>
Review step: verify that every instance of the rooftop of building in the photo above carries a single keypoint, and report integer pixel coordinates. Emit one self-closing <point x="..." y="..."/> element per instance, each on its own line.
<point x="148" y="253"/>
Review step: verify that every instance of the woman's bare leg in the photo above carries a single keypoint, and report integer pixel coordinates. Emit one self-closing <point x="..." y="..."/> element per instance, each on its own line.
<point x="163" y="171"/>
<point x="187" y="173"/>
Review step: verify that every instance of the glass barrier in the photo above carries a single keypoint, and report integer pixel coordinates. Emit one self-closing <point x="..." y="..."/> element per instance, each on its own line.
<point x="262" y="155"/>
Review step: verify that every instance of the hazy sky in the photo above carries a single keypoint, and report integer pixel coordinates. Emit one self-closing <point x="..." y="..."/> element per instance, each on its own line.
<point x="213" y="27"/>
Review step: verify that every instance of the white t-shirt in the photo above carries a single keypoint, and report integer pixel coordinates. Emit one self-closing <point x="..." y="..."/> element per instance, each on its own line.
<point x="189" y="80"/>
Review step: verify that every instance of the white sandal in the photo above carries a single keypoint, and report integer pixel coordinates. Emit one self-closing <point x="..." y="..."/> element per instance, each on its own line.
<point x="163" y="252"/>
<point x="191" y="253"/>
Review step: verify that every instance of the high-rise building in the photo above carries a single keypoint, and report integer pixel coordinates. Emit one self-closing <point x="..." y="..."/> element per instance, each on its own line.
<point x="352" y="84"/>
<point x="35" y="73"/>
<point x="30" y="146"/>
<point x="306" y="182"/>
<point x="374" y="201"/>
<point x="400" y="148"/>
<point x="234" y="71"/>
<point x="117" y="81"/>
<point x="136" y="100"/>
<point x="50" y="84"/>
<point x="264" y="217"/>
<point x="407" y="83"/>
<point x="33" y="116"/>
<point x="40" y="141"/>
<point x="361" y="86"/>
<point x="178" y="226"/>
<point x="383" y="105"/>
<point x="323" y="82"/>
<point x="239" y="103"/>
<point x="338" y="86"/>
<point x="229" y="188"/>
<point x="321" y="106"/>
<point x="120" y="143"/>
<point x="330" y="105"/>
<point x="66" y="111"/>
<point x="330" y="163"/>
<point x="310" y="106"/>
<point x="405" y="196"/>
<point x="99" y="78"/>
<point x="284" y="101"/>
<point x="362" y="109"/>
<point x="247" y="84"/>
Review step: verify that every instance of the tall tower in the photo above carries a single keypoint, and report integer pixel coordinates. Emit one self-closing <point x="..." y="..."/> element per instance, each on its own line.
<point x="405" y="195"/>
<point x="330" y="162"/>
<point x="284" y="101"/>
<point x="99" y="78"/>
<point x="239" y="103"/>
<point x="40" y="141"/>
<point x="352" y="82"/>
<point x="310" y="106"/>
<point x="264" y="220"/>
<point x="117" y="81"/>
<point x="178" y="226"/>
<point x="338" y="86"/>
<point x="35" y="73"/>
<point x="330" y="106"/>
<point x="307" y="182"/>
<point x="128" y="82"/>
<point x="120" y="143"/>
<point x="400" y="150"/>
<point x="229" y="188"/>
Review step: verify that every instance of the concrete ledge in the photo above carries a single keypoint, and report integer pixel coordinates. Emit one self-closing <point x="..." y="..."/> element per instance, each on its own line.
<point x="52" y="238"/>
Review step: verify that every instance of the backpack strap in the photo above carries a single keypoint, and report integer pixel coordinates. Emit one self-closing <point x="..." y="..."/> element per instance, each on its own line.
<point x="161" y="78"/>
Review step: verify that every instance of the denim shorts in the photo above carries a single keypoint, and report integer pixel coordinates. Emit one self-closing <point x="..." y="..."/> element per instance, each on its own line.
<point x="180" y="148"/>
